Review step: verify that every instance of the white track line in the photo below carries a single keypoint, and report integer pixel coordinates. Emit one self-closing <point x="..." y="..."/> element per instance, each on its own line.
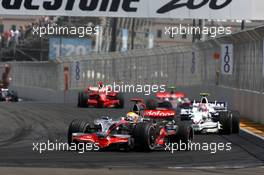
<point x="251" y="133"/>
<point x="214" y="167"/>
<point x="208" y="167"/>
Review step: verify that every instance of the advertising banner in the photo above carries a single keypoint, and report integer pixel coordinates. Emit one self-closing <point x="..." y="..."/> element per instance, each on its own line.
<point x="66" y="47"/>
<point x="202" y="9"/>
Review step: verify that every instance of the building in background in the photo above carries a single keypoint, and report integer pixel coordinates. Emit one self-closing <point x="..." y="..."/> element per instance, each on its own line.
<point x="121" y="34"/>
<point x="162" y="39"/>
<point x="117" y="34"/>
<point x="7" y="22"/>
<point x="149" y="33"/>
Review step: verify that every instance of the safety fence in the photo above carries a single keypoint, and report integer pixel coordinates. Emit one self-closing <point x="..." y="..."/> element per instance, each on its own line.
<point x="169" y="66"/>
<point x="248" y="65"/>
<point x="177" y="65"/>
<point x="36" y="74"/>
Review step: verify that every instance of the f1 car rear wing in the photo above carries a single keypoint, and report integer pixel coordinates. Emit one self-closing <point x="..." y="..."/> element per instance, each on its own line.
<point x="218" y="106"/>
<point x="169" y="95"/>
<point x="96" y="89"/>
<point x="137" y="100"/>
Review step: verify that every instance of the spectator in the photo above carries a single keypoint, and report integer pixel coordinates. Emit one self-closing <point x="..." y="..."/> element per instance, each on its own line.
<point x="17" y="36"/>
<point x="22" y="34"/>
<point x="7" y="38"/>
<point x="28" y="30"/>
<point x="0" y="41"/>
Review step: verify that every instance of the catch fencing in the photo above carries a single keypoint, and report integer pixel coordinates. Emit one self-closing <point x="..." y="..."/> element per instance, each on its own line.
<point x="35" y="74"/>
<point x="248" y="65"/>
<point x="177" y="65"/>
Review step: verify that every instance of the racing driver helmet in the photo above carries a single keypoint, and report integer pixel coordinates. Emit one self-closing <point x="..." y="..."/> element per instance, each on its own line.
<point x="100" y="84"/>
<point x="132" y="116"/>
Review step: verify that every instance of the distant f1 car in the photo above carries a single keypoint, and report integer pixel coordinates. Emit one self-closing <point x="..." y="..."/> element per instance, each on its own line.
<point x="100" y="97"/>
<point x="213" y="117"/>
<point x="169" y="100"/>
<point x="141" y="128"/>
<point x="8" y="96"/>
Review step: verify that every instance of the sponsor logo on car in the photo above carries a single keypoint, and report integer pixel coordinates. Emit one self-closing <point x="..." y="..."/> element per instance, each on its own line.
<point x="159" y="113"/>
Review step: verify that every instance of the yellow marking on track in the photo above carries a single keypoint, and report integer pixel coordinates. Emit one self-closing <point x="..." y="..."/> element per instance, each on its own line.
<point x="252" y="126"/>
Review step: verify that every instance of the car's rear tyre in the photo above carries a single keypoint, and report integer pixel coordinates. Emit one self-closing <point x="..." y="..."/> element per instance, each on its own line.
<point x="77" y="126"/>
<point x="151" y="104"/>
<point x="82" y="100"/>
<point x="120" y="97"/>
<point x="184" y="136"/>
<point x="1" y="97"/>
<point x="14" y="97"/>
<point x="235" y="122"/>
<point x="145" y="136"/>
<point x="226" y="120"/>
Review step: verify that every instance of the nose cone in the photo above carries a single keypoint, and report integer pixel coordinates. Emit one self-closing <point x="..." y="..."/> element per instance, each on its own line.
<point x="196" y="119"/>
<point x="102" y="97"/>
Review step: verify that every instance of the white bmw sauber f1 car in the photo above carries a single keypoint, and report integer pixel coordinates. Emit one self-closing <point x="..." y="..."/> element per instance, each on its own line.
<point x="212" y="117"/>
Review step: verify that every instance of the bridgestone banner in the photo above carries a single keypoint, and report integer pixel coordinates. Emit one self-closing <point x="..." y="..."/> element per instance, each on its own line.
<point x="205" y="9"/>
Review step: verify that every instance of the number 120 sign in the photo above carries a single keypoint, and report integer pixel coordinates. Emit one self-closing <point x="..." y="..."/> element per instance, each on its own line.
<point x="227" y="59"/>
<point x="68" y="47"/>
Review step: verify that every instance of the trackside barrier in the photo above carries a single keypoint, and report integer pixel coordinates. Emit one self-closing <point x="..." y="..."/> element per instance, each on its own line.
<point x="172" y="66"/>
<point x="248" y="73"/>
<point x="35" y="74"/>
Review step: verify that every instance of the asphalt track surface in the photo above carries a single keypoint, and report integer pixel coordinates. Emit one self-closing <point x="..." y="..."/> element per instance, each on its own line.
<point x="23" y="123"/>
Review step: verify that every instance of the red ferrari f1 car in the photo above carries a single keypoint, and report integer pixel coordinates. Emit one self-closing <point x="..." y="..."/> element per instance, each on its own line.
<point x="100" y="97"/>
<point x="141" y="128"/>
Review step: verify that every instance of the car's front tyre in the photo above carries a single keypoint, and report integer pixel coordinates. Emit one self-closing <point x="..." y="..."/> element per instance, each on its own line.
<point x="226" y="121"/>
<point x="185" y="134"/>
<point x="145" y="136"/>
<point x="235" y="122"/>
<point x="82" y="100"/>
<point x="77" y="126"/>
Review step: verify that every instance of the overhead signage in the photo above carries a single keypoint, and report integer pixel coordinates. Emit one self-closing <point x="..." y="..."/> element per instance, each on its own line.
<point x="202" y="9"/>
